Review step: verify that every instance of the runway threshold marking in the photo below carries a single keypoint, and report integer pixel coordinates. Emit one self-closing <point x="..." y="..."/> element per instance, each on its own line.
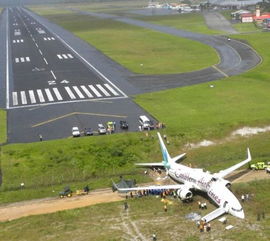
<point x="220" y="71"/>
<point x="76" y="113"/>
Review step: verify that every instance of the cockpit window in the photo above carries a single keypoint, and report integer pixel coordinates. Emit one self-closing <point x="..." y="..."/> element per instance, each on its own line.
<point x="237" y="210"/>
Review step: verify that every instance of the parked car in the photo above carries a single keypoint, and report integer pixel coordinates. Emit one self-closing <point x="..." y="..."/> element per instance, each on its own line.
<point x="75" y="131"/>
<point x="88" y="132"/>
<point x="123" y="124"/>
<point x="101" y="129"/>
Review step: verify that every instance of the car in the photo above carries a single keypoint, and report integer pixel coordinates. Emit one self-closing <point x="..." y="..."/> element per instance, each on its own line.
<point x="88" y="132"/>
<point x="101" y="129"/>
<point x="123" y="124"/>
<point x="75" y="131"/>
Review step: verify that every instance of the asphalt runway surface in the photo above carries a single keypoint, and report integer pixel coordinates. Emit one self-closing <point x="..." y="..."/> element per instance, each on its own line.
<point x="53" y="80"/>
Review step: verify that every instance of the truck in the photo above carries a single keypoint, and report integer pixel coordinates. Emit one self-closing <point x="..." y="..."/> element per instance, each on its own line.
<point x="259" y="166"/>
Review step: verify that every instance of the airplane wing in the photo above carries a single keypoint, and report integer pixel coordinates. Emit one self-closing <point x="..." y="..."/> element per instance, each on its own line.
<point x="154" y="187"/>
<point x="229" y="170"/>
<point x="216" y="213"/>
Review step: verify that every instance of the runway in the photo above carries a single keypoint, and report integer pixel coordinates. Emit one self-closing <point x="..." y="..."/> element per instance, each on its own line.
<point x="51" y="80"/>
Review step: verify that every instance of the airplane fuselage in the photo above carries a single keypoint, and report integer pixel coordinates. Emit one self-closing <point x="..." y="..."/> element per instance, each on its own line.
<point x="216" y="188"/>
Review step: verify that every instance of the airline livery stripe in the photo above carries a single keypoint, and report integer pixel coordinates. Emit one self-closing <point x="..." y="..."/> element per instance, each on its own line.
<point x="15" y="98"/>
<point x="71" y="95"/>
<point x="94" y="90"/>
<point x="49" y="95"/>
<point x="103" y="90"/>
<point x="86" y="91"/>
<point x="23" y="96"/>
<point x="111" y="89"/>
<point x="40" y="96"/>
<point x="32" y="96"/>
<point x="79" y="93"/>
<point x="58" y="96"/>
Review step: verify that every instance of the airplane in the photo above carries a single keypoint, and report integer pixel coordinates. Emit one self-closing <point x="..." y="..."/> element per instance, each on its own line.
<point x="190" y="179"/>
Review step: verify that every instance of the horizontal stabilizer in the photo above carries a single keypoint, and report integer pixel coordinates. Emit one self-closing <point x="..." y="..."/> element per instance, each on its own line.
<point x="179" y="157"/>
<point x="216" y="213"/>
<point x="150" y="164"/>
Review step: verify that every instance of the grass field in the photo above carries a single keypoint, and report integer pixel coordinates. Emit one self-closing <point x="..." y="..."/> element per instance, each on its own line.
<point x="111" y="222"/>
<point x="193" y="22"/>
<point x="246" y="27"/>
<point x="3" y="126"/>
<point x="132" y="46"/>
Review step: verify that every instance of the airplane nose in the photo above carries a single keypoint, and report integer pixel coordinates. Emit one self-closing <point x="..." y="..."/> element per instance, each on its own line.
<point x="241" y="215"/>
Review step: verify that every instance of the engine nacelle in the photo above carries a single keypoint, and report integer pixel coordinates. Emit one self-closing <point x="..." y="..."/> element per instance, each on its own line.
<point x="184" y="193"/>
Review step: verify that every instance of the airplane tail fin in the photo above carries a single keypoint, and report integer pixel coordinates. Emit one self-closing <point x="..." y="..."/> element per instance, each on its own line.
<point x="167" y="160"/>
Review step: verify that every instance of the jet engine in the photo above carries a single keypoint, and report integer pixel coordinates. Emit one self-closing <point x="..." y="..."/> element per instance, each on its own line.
<point x="184" y="193"/>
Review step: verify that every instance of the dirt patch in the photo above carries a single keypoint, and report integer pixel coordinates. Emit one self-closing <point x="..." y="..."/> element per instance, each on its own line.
<point x="51" y="205"/>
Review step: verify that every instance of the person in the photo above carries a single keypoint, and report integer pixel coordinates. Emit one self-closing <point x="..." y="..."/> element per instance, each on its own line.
<point x="154" y="237"/>
<point x="22" y="185"/>
<point x="243" y="198"/>
<point x="140" y="128"/>
<point x="125" y="205"/>
<point x="208" y="228"/>
<point x="40" y="137"/>
<point x="86" y="189"/>
<point x="165" y="208"/>
<point x="201" y="226"/>
<point x="199" y="204"/>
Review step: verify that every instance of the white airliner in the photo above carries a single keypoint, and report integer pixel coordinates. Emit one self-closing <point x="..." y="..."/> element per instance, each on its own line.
<point x="214" y="185"/>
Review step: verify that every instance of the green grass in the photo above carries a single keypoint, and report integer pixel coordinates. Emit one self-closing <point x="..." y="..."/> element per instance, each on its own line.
<point x="110" y="221"/>
<point x="3" y="126"/>
<point x="138" y="49"/>
<point x="193" y="22"/>
<point x="246" y="27"/>
<point x="202" y="112"/>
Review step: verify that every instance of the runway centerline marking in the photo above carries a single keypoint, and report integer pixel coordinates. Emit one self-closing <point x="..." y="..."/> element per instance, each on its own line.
<point x="76" y="113"/>
<point x="53" y="74"/>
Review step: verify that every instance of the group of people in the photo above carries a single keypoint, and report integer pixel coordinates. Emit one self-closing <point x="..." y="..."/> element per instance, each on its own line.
<point x="202" y="205"/>
<point x="203" y="226"/>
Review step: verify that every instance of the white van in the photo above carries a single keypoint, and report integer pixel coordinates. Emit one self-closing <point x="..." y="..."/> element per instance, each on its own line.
<point x="145" y="122"/>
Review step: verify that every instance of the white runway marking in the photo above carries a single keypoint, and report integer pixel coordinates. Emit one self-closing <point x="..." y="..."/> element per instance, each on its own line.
<point x="27" y="59"/>
<point x="40" y="96"/>
<point x="15" y="98"/>
<point x="71" y="95"/>
<point x="17" y="60"/>
<point x="23" y="96"/>
<point x="49" y="95"/>
<point x="32" y="96"/>
<point x="69" y="55"/>
<point x="56" y="92"/>
<point x="95" y="90"/>
<point x="40" y="52"/>
<point x="86" y="91"/>
<point x="22" y="59"/>
<point x="79" y="93"/>
<point x="45" y="60"/>
<point x="111" y="89"/>
<point x="53" y="74"/>
<point x="65" y="57"/>
<point x="59" y="56"/>
<point x="103" y="90"/>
